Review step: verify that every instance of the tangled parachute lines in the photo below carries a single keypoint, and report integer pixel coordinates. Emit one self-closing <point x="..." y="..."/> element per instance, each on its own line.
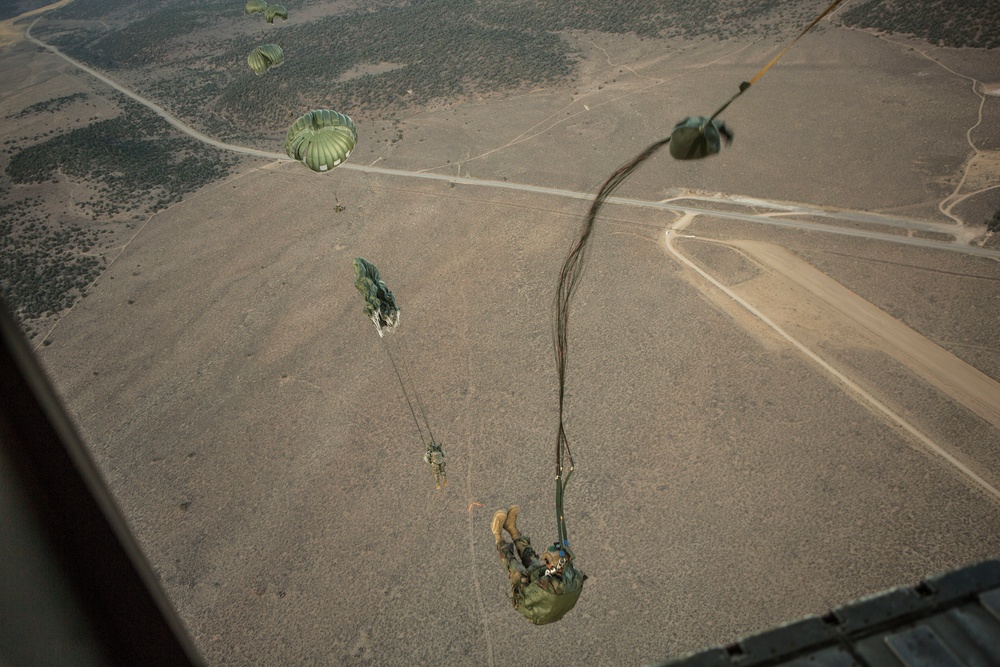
<point x="380" y="304"/>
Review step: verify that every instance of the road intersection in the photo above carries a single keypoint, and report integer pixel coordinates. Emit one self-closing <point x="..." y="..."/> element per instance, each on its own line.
<point x="778" y="213"/>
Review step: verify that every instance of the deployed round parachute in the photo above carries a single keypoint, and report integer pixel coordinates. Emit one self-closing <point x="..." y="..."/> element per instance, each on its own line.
<point x="380" y="304"/>
<point x="697" y="137"/>
<point x="264" y="57"/>
<point x="322" y="139"/>
<point x="275" y="10"/>
<point x="256" y="6"/>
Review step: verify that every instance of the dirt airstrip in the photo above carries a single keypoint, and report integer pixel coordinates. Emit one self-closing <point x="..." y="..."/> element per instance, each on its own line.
<point x="249" y="424"/>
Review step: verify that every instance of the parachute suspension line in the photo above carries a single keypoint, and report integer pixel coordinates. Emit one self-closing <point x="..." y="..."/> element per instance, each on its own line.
<point x="809" y="27"/>
<point x="433" y="452"/>
<point x="404" y="347"/>
<point x="573" y="268"/>
<point x="746" y="84"/>
<point x="406" y="394"/>
<point x="380" y="306"/>
<point x="569" y="277"/>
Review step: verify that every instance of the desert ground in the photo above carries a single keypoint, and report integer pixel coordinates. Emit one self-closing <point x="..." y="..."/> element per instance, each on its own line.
<point x="239" y="405"/>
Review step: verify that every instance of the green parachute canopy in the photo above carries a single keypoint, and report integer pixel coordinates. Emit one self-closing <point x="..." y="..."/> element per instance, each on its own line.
<point x="380" y="304"/>
<point x="256" y="6"/>
<point x="322" y="139"/>
<point x="275" y="10"/>
<point x="697" y="137"/>
<point x="264" y="57"/>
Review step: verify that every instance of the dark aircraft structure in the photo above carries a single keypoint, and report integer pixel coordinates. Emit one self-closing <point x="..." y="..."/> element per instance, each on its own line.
<point x="75" y="589"/>
<point x="950" y="620"/>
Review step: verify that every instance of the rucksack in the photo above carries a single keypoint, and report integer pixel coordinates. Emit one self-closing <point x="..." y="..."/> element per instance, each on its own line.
<point x="547" y="599"/>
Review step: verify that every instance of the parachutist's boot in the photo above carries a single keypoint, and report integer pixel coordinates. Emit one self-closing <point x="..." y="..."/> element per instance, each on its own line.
<point x="497" y="527"/>
<point x="510" y="523"/>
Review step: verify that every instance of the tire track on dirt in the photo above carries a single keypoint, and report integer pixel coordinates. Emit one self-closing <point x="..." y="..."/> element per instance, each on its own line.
<point x="123" y="247"/>
<point x="525" y="136"/>
<point x="470" y="441"/>
<point x="946" y="205"/>
<point x="949" y="374"/>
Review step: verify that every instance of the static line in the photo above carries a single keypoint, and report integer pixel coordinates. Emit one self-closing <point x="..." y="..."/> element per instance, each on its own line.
<point x="875" y="403"/>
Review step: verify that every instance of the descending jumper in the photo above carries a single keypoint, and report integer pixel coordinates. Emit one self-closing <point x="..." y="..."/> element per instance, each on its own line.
<point x="695" y="137"/>
<point x="381" y="308"/>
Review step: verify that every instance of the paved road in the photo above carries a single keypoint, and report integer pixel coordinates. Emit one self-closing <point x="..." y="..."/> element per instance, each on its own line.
<point x="777" y="208"/>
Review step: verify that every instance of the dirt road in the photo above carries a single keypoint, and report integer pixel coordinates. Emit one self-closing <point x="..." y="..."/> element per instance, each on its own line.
<point x="939" y="367"/>
<point x="936" y="365"/>
<point x="12" y="35"/>
<point x="781" y="208"/>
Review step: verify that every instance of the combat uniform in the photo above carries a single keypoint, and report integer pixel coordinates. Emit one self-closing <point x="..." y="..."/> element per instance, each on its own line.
<point x="542" y="589"/>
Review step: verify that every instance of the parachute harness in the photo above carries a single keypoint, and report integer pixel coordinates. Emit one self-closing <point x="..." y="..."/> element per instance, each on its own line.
<point x="573" y="268"/>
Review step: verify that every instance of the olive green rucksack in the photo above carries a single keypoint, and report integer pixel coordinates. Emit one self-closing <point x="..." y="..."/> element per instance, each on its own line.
<point x="541" y="606"/>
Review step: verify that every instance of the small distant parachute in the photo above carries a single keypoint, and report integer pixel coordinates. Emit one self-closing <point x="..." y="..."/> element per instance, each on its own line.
<point x="380" y="304"/>
<point x="256" y="6"/>
<point x="697" y="137"/>
<point x="322" y="139"/>
<point x="275" y="10"/>
<point x="264" y="57"/>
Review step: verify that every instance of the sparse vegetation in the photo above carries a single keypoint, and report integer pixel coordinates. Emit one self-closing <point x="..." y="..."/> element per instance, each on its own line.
<point x="994" y="224"/>
<point x="646" y="18"/>
<point x="13" y="8"/>
<point x="131" y="157"/>
<point x="149" y="39"/>
<point x="137" y="168"/>
<point x="464" y="49"/>
<point x="98" y="9"/>
<point x="49" y="106"/>
<point x="948" y="22"/>
<point x="43" y="265"/>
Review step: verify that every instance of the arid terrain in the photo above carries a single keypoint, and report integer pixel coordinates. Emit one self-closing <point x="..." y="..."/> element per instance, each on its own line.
<point x="767" y="420"/>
